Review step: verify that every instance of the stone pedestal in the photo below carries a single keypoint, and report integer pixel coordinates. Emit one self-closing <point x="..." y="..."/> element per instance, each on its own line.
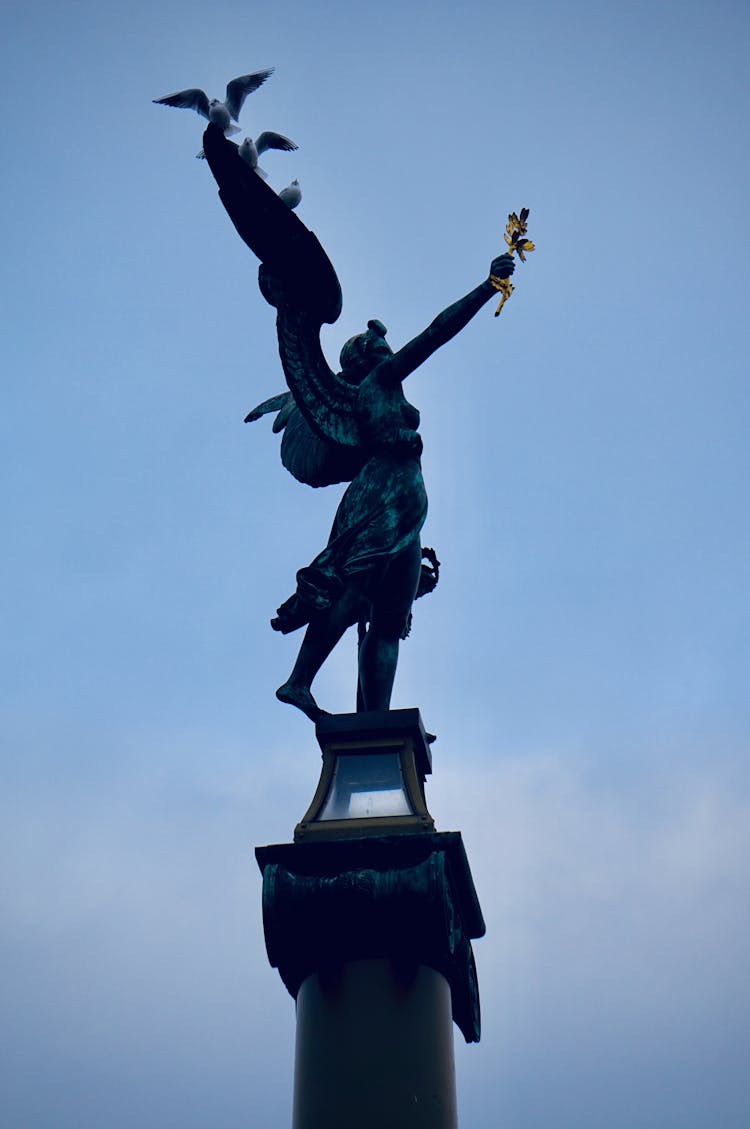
<point x="371" y="935"/>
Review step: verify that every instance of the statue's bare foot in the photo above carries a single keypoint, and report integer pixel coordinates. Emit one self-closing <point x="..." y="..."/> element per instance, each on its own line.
<point x="297" y="695"/>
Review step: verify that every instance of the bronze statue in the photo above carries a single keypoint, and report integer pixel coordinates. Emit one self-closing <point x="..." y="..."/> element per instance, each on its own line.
<point x="355" y="426"/>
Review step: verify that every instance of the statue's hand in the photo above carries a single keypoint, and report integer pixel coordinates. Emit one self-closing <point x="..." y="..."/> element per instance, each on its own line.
<point x="503" y="266"/>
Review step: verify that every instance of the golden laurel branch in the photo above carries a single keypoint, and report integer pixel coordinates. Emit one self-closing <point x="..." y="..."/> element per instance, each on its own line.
<point x="515" y="236"/>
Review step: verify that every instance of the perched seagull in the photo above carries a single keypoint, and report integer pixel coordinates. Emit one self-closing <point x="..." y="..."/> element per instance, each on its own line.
<point x="250" y="149"/>
<point x="291" y="195"/>
<point x="223" y="113"/>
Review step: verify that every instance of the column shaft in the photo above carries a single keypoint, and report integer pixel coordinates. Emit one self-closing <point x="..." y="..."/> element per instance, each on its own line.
<point x="374" y="1049"/>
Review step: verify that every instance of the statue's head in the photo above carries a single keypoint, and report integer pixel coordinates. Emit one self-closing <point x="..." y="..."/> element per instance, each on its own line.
<point x="363" y="352"/>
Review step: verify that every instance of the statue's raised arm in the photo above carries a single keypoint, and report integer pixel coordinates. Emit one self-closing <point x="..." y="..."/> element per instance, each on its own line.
<point x="450" y="322"/>
<point x="355" y="426"/>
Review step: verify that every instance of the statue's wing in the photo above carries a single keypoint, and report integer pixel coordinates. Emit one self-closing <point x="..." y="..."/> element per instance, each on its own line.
<point x="325" y="399"/>
<point x="295" y="276"/>
<point x="304" y="453"/>
<point x="278" y="404"/>
<point x="316" y="461"/>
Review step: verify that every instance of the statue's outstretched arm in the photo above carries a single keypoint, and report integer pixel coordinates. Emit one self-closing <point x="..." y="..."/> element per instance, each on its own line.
<point x="447" y="324"/>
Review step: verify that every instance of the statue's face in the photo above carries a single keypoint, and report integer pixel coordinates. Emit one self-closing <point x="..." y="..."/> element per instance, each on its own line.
<point x="371" y="349"/>
<point x="376" y="348"/>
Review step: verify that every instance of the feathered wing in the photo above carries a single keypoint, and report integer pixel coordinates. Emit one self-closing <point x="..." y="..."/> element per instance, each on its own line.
<point x="322" y="442"/>
<point x="327" y="402"/>
<point x="305" y="454"/>
<point x="270" y="140"/>
<point x="278" y="404"/>
<point x="192" y="99"/>
<point x="239" y="88"/>
<point x="314" y="460"/>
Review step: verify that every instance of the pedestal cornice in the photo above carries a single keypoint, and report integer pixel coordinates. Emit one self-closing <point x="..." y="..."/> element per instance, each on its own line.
<point x="408" y="898"/>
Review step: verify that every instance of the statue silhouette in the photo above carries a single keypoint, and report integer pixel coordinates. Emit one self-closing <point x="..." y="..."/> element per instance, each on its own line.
<point x="353" y="426"/>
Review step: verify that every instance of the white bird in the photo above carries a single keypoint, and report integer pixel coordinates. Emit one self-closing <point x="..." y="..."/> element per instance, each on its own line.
<point x="223" y="113"/>
<point x="250" y="149"/>
<point x="292" y="194"/>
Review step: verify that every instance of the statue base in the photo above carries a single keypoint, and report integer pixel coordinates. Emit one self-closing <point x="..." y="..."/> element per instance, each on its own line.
<point x="371" y="933"/>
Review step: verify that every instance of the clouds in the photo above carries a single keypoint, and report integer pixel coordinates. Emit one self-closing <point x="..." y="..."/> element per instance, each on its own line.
<point x="584" y="657"/>
<point x="129" y="916"/>
<point x="616" y="927"/>
<point x="609" y="975"/>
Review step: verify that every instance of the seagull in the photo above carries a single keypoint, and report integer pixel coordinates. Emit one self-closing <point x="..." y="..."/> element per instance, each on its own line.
<point x="250" y="149"/>
<point x="291" y="195"/>
<point x="223" y="113"/>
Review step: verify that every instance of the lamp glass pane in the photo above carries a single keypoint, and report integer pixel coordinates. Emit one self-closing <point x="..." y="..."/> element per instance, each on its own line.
<point x="366" y="785"/>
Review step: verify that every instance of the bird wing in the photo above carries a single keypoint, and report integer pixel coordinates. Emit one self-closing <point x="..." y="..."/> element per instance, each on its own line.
<point x="239" y="88"/>
<point x="270" y="140"/>
<point x="192" y="99"/>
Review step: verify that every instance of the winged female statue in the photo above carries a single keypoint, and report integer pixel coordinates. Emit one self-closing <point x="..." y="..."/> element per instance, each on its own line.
<point x="353" y="426"/>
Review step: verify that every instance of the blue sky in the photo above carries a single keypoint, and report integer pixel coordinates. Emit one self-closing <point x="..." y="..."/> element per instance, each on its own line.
<point x="584" y="660"/>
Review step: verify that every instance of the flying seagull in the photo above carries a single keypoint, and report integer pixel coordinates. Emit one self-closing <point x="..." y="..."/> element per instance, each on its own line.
<point x="250" y="149"/>
<point x="223" y="113"/>
<point x="292" y="194"/>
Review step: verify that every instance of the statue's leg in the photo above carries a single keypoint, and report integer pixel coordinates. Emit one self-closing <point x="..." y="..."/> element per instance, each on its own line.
<point x="390" y="611"/>
<point x="322" y="634"/>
